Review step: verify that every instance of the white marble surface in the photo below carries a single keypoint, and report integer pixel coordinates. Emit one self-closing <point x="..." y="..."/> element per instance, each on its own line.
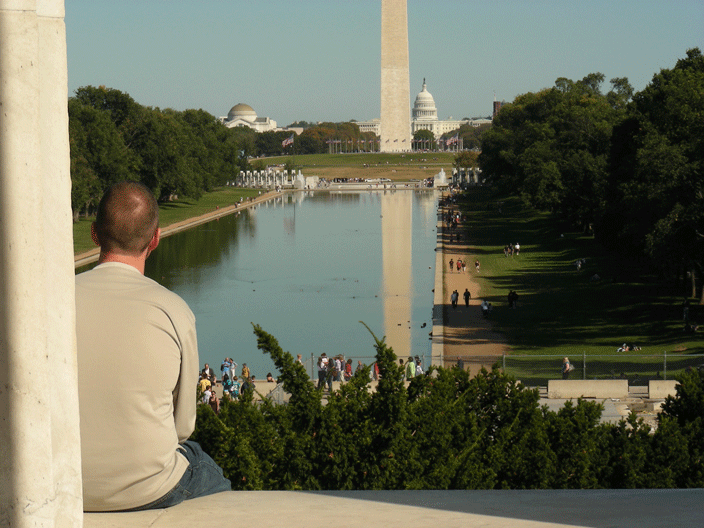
<point x="436" y="509"/>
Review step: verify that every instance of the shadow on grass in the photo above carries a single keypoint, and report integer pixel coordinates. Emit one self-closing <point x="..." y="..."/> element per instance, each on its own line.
<point x="181" y="204"/>
<point x="559" y="305"/>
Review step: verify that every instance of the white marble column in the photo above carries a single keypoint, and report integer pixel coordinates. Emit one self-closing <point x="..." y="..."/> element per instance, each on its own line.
<point x="39" y="428"/>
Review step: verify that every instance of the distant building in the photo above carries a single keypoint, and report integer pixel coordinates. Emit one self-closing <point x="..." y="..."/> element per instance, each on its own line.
<point x="243" y="115"/>
<point x="424" y="116"/>
<point x="370" y="126"/>
<point x="497" y="107"/>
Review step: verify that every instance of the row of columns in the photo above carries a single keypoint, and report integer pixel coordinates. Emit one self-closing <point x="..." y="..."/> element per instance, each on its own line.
<point x="466" y="175"/>
<point x="39" y="432"/>
<point x="268" y="179"/>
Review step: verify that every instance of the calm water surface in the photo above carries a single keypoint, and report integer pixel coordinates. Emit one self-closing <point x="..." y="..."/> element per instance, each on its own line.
<point x="308" y="267"/>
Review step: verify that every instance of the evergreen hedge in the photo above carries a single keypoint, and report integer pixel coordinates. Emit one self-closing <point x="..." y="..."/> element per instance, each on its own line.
<point x="445" y="430"/>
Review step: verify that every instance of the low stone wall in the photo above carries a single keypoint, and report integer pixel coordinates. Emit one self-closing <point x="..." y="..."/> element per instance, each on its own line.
<point x="565" y="389"/>
<point x="661" y="389"/>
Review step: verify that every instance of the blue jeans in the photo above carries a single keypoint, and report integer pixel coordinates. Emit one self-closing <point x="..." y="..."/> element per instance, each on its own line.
<point x="202" y="477"/>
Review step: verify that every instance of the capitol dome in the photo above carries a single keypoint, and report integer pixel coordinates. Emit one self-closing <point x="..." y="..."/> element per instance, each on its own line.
<point x="424" y="107"/>
<point x="242" y="111"/>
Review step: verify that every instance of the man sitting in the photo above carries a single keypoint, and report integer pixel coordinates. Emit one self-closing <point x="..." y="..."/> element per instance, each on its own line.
<point x="137" y="370"/>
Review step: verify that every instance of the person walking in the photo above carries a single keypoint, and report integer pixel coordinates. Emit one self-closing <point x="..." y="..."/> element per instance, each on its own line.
<point x="566" y="368"/>
<point x="454" y="298"/>
<point x="467" y="296"/>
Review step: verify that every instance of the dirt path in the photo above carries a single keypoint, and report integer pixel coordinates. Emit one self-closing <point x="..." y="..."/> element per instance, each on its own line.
<point x="467" y="334"/>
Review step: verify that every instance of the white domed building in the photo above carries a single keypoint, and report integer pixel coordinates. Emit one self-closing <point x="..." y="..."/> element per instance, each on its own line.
<point x="424" y="116"/>
<point x="424" y="109"/>
<point x="243" y="115"/>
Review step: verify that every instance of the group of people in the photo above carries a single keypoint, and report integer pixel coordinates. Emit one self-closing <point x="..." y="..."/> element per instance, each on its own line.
<point x="461" y="265"/>
<point x="411" y="368"/>
<point x="231" y="385"/>
<point x="336" y="369"/>
<point x="455" y="297"/>
<point x="512" y="249"/>
<point x="628" y="348"/>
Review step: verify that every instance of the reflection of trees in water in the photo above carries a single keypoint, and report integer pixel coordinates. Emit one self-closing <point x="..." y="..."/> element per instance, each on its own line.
<point x="199" y="248"/>
<point x="205" y="246"/>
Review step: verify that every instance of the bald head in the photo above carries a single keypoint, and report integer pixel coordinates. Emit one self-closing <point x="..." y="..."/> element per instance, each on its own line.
<point x="127" y="219"/>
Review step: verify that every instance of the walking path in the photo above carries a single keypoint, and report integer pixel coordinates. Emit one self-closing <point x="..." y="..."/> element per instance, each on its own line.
<point x="465" y="332"/>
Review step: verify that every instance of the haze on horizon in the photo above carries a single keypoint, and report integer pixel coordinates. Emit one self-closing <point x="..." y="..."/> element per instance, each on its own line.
<point x="318" y="60"/>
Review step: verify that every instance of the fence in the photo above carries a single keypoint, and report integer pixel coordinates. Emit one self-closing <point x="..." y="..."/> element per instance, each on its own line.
<point x="535" y="371"/>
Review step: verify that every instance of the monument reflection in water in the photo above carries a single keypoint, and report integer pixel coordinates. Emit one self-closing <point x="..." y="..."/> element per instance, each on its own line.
<point x="308" y="267"/>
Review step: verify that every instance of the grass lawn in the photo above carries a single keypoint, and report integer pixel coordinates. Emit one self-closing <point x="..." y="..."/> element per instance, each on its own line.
<point x="170" y="213"/>
<point x="562" y="312"/>
<point x="417" y="165"/>
<point x="413" y="159"/>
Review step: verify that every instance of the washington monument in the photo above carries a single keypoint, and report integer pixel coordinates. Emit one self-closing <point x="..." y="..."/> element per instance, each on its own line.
<point x="395" y="130"/>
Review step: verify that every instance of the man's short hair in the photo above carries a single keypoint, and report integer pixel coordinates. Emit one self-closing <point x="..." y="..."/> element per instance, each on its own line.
<point x="127" y="219"/>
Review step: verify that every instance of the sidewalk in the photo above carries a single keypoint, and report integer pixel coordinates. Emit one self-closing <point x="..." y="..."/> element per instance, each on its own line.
<point x="466" y="333"/>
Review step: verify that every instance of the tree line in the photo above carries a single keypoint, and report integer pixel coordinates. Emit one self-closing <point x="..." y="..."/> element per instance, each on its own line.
<point x="627" y="166"/>
<point x="445" y="431"/>
<point x="113" y="138"/>
<point x="174" y="153"/>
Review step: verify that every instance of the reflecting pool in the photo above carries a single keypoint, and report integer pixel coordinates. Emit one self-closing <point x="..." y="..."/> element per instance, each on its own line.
<point x="307" y="267"/>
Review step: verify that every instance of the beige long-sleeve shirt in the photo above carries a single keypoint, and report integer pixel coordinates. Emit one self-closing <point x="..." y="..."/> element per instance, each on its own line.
<point x="137" y="374"/>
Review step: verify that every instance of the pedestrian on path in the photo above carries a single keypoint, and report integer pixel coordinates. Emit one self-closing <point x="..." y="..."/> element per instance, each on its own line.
<point x="452" y="264"/>
<point x="454" y="298"/>
<point x="467" y="296"/>
<point x="566" y="368"/>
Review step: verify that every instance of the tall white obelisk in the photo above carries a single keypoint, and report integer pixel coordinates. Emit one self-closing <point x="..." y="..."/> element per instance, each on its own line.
<point x="395" y="82"/>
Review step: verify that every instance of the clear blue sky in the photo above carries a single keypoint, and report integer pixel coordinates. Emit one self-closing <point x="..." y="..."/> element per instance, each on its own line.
<point x="319" y="60"/>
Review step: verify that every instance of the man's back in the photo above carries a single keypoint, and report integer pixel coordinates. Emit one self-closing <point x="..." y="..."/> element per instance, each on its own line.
<point x="137" y="373"/>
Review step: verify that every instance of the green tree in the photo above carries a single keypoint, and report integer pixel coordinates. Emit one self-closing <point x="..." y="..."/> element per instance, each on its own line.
<point x="99" y="155"/>
<point x="124" y="111"/>
<point x="445" y="431"/>
<point x="656" y="196"/>
<point x="578" y="442"/>
<point x="552" y="147"/>
<point x="472" y="135"/>
<point x="167" y="166"/>
<point x="423" y="139"/>
<point x="686" y="410"/>
<point x="466" y="160"/>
